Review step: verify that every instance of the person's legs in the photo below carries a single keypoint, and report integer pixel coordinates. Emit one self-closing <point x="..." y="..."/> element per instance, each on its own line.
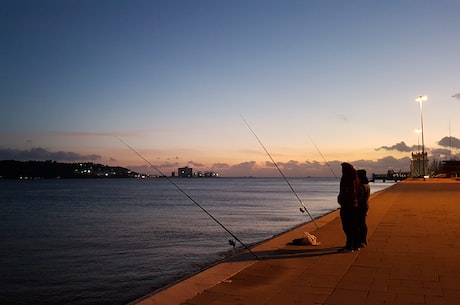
<point x="362" y="228"/>
<point x="347" y="226"/>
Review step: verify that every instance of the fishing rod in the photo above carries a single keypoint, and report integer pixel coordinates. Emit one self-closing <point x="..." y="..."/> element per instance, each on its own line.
<point x="303" y="207"/>
<point x="231" y="242"/>
<point x="324" y="158"/>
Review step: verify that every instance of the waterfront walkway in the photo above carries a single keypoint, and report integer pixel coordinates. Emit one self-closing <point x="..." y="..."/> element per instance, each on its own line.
<point x="413" y="257"/>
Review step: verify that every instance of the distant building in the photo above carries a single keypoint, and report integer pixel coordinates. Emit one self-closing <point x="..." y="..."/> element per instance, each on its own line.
<point x="419" y="165"/>
<point x="391" y="175"/>
<point x="451" y="168"/>
<point x="206" y="174"/>
<point x="187" y="172"/>
<point x="184" y="172"/>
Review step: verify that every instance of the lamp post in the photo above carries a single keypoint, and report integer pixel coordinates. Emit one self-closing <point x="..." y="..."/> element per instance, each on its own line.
<point x="418" y="131"/>
<point x="421" y="99"/>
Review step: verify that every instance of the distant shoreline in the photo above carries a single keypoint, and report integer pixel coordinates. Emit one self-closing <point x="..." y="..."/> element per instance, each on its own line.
<point x="30" y="170"/>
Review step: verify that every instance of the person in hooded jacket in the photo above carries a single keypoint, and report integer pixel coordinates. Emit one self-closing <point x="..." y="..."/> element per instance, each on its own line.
<point x="363" y="207"/>
<point x="349" y="194"/>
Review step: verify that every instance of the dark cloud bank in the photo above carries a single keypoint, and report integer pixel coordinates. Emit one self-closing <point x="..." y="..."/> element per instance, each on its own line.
<point x="291" y="168"/>
<point x="294" y="168"/>
<point x="42" y="154"/>
<point x="449" y="142"/>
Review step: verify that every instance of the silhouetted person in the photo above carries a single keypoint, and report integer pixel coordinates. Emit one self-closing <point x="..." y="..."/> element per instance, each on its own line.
<point x="363" y="207"/>
<point x="349" y="195"/>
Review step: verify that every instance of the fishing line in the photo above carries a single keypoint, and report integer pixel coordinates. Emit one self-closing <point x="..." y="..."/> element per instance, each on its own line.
<point x="324" y="158"/>
<point x="232" y="243"/>
<point x="303" y="208"/>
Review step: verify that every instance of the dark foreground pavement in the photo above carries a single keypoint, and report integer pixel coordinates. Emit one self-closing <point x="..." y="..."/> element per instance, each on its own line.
<point x="413" y="257"/>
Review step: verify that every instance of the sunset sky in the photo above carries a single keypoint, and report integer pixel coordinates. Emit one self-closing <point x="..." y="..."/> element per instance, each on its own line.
<point x="316" y="80"/>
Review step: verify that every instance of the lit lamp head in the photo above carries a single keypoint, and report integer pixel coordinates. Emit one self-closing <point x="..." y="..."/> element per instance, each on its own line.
<point x="421" y="98"/>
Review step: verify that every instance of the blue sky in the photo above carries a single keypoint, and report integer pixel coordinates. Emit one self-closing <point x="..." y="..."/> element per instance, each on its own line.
<point x="173" y="78"/>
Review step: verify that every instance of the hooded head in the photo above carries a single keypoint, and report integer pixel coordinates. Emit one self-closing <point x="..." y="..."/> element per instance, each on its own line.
<point x="348" y="182"/>
<point x="362" y="176"/>
<point x="348" y="169"/>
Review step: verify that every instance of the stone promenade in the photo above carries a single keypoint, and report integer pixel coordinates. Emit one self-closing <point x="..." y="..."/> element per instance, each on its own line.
<point x="413" y="257"/>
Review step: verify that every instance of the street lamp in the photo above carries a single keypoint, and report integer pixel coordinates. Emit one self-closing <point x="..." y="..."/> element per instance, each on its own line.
<point x="421" y="99"/>
<point x="418" y="131"/>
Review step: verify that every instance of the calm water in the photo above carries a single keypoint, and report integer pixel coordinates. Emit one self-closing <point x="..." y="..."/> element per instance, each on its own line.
<point x="112" y="241"/>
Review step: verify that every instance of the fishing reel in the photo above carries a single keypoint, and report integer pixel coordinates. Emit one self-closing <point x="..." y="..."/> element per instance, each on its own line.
<point x="302" y="210"/>
<point x="232" y="243"/>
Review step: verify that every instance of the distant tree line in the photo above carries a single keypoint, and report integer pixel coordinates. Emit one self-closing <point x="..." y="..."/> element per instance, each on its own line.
<point x="10" y="169"/>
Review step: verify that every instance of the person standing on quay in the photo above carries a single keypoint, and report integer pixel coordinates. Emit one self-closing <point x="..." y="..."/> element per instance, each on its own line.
<point x="350" y="192"/>
<point x="363" y="207"/>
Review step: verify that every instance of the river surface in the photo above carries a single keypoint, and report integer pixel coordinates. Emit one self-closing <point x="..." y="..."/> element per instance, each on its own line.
<point x="110" y="241"/>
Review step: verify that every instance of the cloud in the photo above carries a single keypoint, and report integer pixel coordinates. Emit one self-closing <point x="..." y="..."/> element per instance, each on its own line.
<point x="169" y="165"/>
<point x="342" y="117"/>
<point x="457" y="96"/>
<point x="42" y="154"/>
<point x="399" y="147"/>
<point x="295" y="168"/>
<point x="245" y="165"/>
<point x="381" y="166"/>
<point x="242" y="169"/>
<point x="195" y="164"/>
<point x="450" y="142"/>
<point x="441" y="152"/>
<point x="291" y="168"/>
<point x="219" y="166"/>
